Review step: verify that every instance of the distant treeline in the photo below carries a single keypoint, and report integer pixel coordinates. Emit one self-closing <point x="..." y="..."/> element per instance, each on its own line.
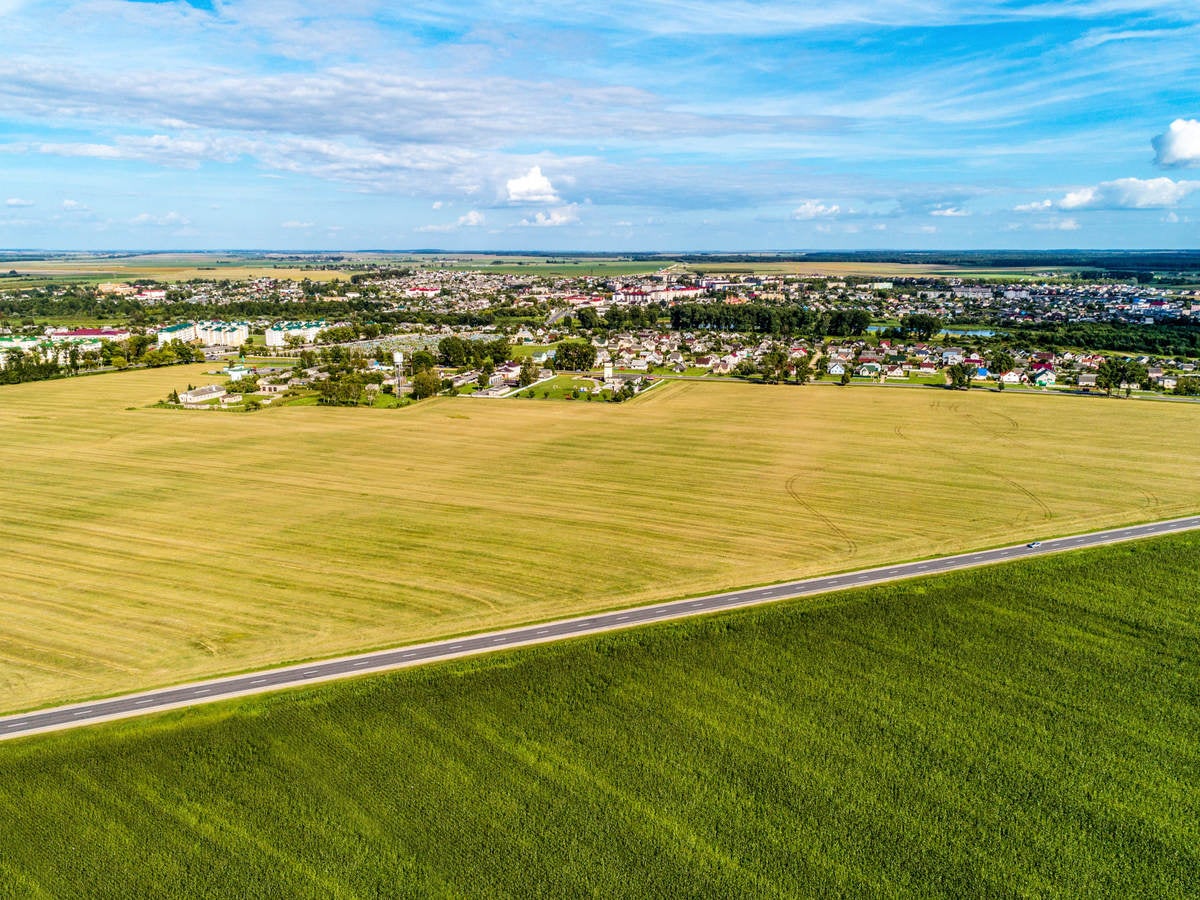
<point x="87" y="305"/>
<point x="1106" y="260"/>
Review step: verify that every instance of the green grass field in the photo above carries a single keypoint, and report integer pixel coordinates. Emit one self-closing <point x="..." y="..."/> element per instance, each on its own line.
<point x="148" y="546"/>
<point x="1030" y="729"/>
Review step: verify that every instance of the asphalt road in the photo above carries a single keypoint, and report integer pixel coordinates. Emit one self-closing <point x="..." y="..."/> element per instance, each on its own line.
<point x="293" y="676"/>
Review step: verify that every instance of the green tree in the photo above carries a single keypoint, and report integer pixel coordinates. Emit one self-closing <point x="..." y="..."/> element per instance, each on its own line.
<point x="1135" y="376"/>
<point x="961" y="375"/>
<point x="1187" y="387"/>
<point x="1119" y="373"/>
<point x="1002" y="361"/>
<point x="425" y="384"/>
<point x="1108" y="375"/>
<point x="453" y="351"/>
<point x="421" y="361"/>
<point x="575" y="356"/>
<point x="529" y="372"/>
<point x="921" y="325"/>
<point x="774" y="364"/>
<point x="803" y="369"/>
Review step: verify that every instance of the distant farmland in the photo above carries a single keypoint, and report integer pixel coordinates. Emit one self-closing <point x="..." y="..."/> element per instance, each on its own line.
<point x="171" y="267"/>
<point x="145" y="546"/>
<point x="1026" y="730"/>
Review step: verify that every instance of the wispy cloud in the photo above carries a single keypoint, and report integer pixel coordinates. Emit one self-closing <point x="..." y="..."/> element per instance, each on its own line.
<point x="472" y="219"/>
<point x="1058" y="225"/>
<point x="166" y="220"/>
<point x="553" y="218"/>
<point x="689" y="117"/>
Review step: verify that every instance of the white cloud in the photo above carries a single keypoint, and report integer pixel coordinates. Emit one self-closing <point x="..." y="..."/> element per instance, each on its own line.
<point x="553" y="218"/>
<point x="472" y="219"/>
<point x="1179" y="145"/>
<point x="438" y="204"/>
<point x="73" y="206"/>
<point x="532" y="187"/>
<point x="1130" y="193"/>
<point x="292" y="223"/>
<point x="164" y="221"/>
<point x="17" y="201"/>
<point x="1123" y="193"/>
<point x="815" y="209"/>
<point x="950" y="212"/>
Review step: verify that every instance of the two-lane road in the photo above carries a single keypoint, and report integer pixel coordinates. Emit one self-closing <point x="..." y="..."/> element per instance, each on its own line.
<point x="384" y="660"/>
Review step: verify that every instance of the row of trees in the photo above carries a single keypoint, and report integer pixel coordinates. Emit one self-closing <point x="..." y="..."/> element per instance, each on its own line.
<point x="761" y="318"/>
<point x="22" y="365"/>
<point x="461" y="353"/>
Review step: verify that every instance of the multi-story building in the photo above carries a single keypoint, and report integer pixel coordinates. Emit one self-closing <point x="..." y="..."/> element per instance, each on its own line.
<point x="278" y="334"/>
<point x="184" y="331"/>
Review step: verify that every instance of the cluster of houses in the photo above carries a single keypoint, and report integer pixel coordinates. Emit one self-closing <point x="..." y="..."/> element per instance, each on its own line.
<point x="1037" y="368"/>
<point x="901" y="362"/>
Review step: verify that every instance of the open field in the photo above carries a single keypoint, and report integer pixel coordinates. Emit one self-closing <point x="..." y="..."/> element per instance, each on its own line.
<point x="1026" y="730"/>
<point x="146" y="546"/>
<point x="187" y="266"/>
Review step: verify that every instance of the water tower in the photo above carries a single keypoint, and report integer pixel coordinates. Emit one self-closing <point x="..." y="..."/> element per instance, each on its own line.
<point x="398" y="361"/>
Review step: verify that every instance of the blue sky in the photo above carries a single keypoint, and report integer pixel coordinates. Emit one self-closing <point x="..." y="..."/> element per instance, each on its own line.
<point x="617" y="125"/>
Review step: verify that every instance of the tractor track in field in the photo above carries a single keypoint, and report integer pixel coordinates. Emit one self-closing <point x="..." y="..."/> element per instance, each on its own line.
<point x="967" y="463"/>
<point x="793" y="491"/>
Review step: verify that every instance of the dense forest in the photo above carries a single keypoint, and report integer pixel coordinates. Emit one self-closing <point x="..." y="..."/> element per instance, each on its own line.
<point x="1156" y="340"/>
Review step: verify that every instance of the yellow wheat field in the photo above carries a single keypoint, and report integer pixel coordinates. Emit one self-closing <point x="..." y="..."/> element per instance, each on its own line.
<point x="147" y="546"/>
